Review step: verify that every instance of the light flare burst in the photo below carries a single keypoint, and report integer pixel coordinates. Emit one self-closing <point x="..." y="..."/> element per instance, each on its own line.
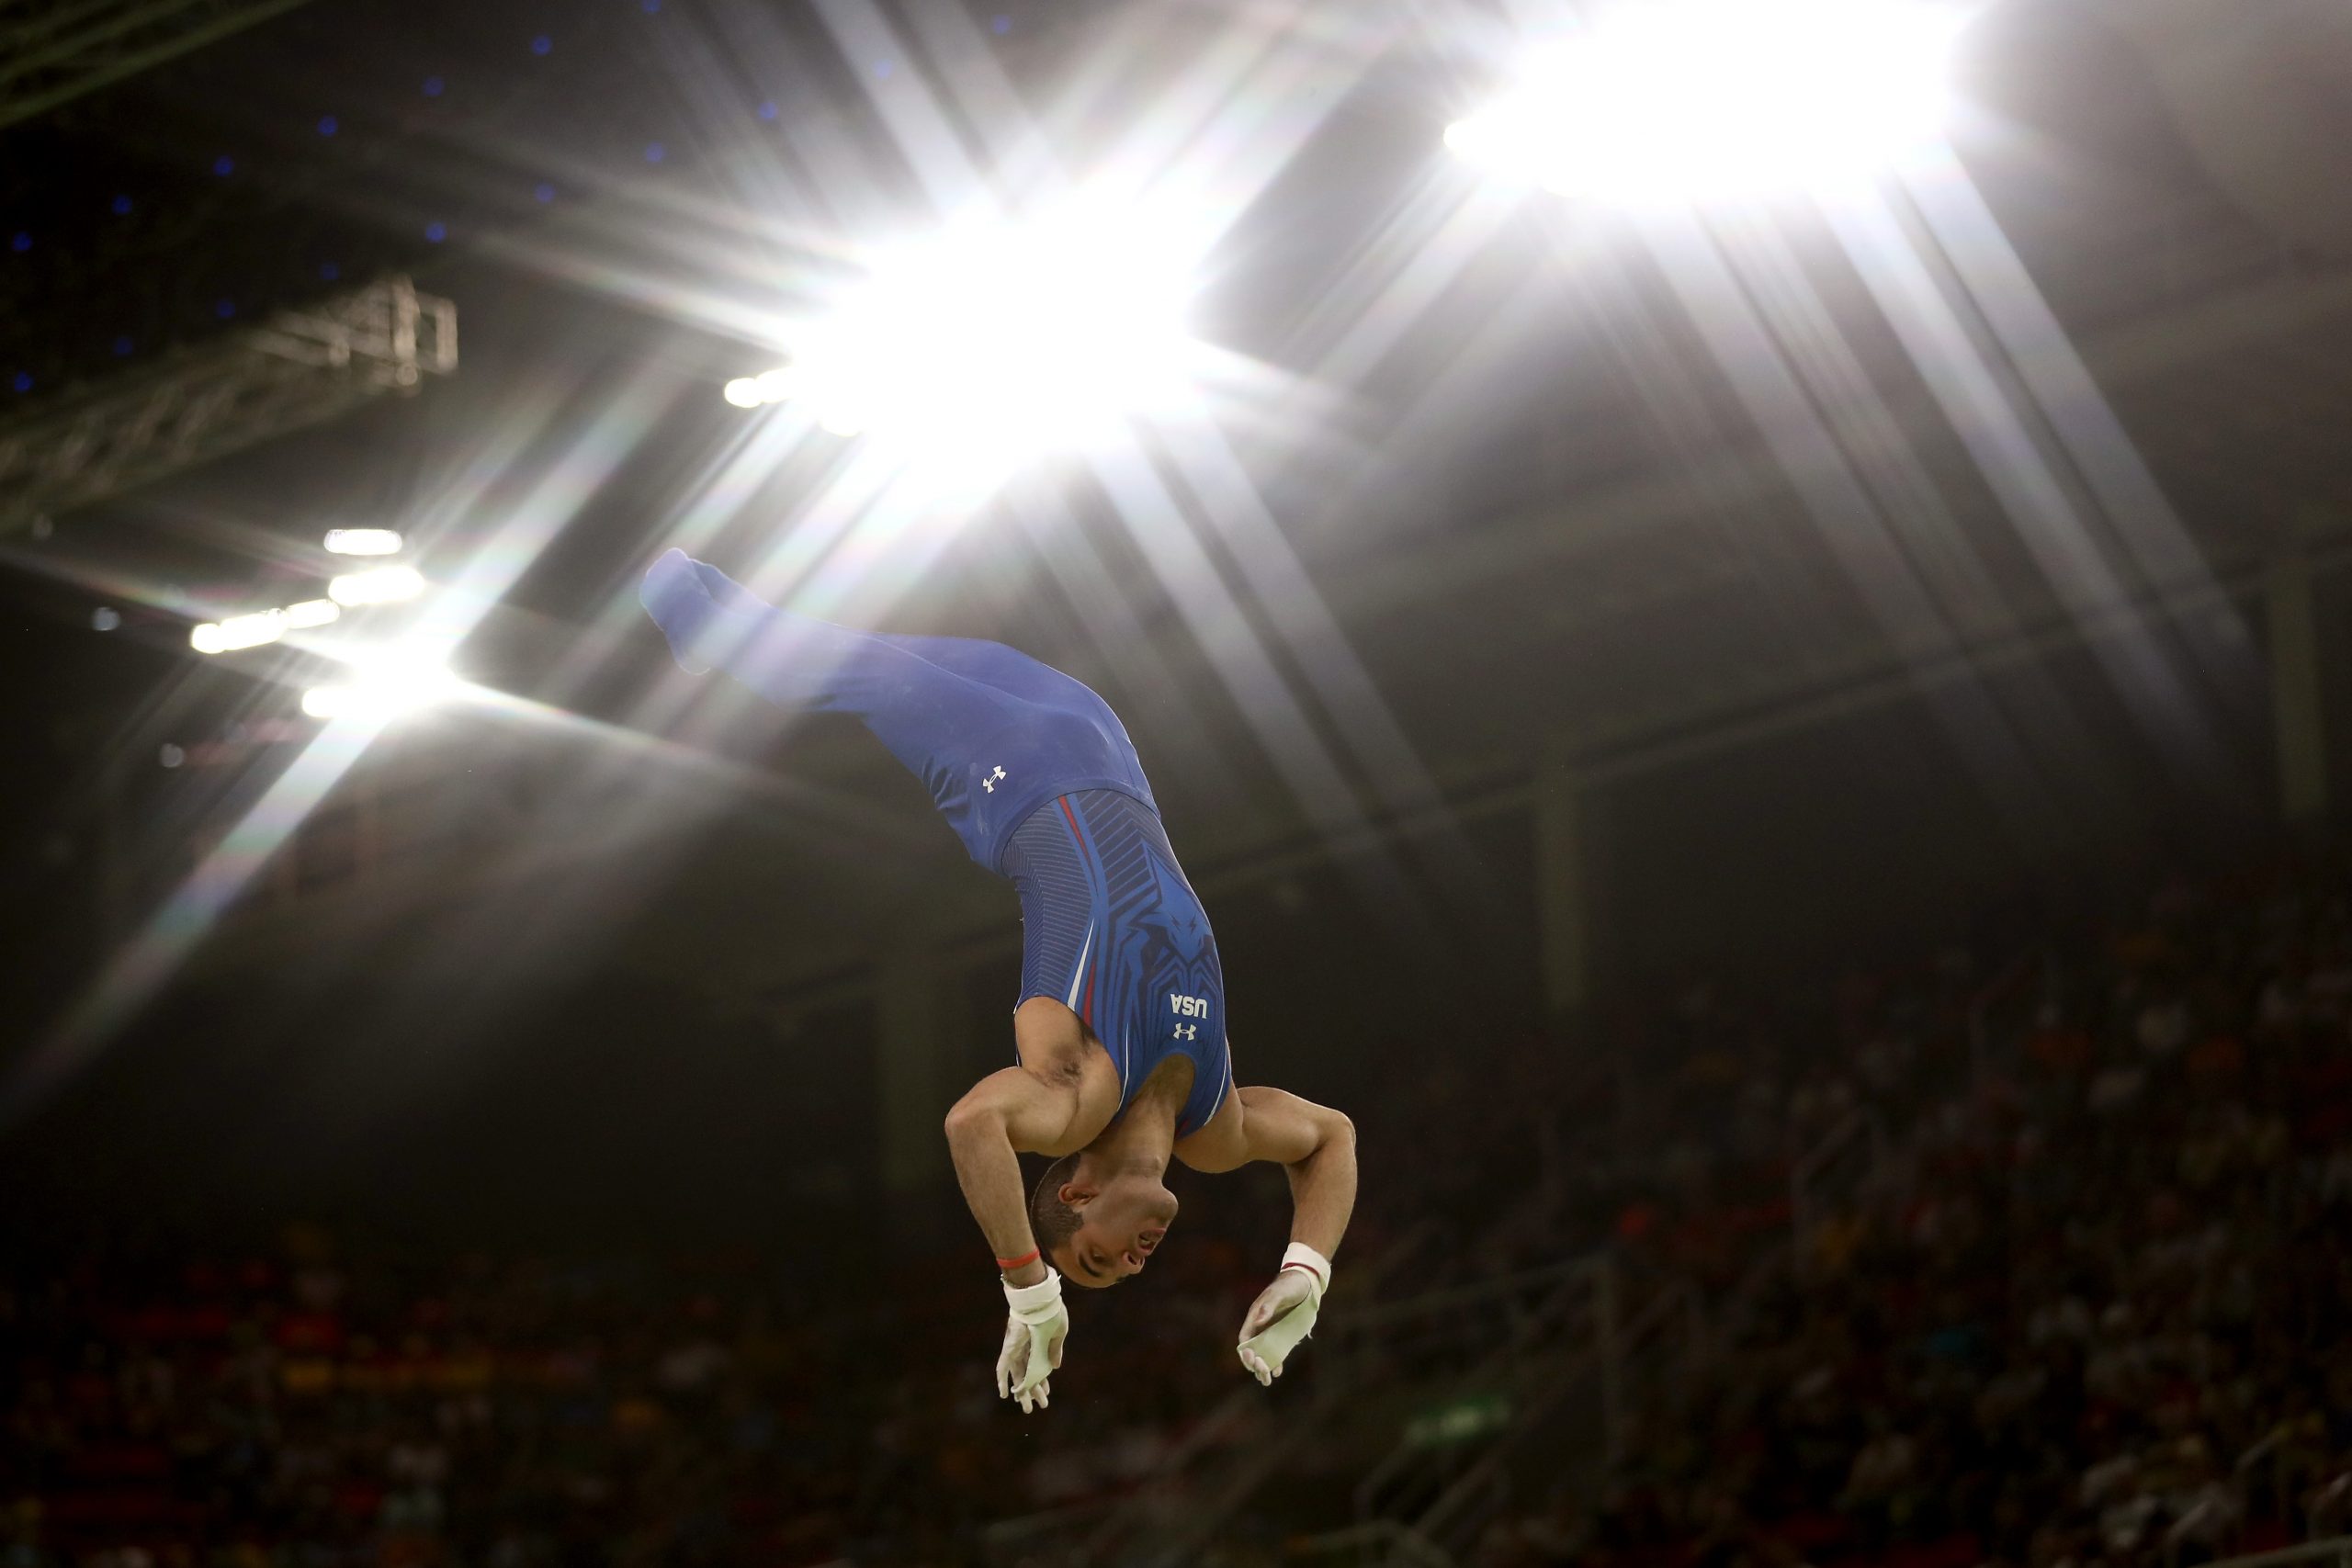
<point x="999" y="338"/>
<point x="1709" y="100"/>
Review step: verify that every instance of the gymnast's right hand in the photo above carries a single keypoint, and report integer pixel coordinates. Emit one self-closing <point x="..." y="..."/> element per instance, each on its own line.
<point x="1032" y="1341"/>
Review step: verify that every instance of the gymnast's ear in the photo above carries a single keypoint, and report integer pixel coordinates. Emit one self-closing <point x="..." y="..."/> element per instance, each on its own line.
<point x="1055" y="1202"/>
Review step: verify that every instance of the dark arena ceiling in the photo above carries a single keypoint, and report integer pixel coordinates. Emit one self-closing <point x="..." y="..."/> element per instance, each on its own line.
<point x="1495" y="480"/>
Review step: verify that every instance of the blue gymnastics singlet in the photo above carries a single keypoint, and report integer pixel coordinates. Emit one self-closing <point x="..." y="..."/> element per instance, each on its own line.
<point x="1037" y="777"/>
<point x="1111" y="931"/>
<point x="993" y="733"/>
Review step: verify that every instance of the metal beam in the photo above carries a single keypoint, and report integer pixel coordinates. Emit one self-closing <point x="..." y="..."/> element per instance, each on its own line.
<point x="2121" y="359"/>
<point x="297" y="369"/>
<point x="50" y="55"/>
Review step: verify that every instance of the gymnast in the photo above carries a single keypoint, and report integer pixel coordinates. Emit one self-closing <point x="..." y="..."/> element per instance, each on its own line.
<point x="1119" y="1028"/>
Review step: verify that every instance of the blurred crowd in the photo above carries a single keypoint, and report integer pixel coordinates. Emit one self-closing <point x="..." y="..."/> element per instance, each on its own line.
<point x="2092" y="1309"/>
<point x="2097" y="1309"/>
<point x="312" y="1408"/>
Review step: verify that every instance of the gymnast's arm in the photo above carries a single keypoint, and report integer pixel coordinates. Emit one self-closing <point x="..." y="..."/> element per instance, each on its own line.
<point x="1007" y="1113"/>
<point x="1315" y="1144"/>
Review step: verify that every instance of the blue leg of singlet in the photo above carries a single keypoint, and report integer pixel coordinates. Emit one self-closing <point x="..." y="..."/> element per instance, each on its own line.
<point x="1010" y="670"/>
<point x="928" y="716"/>
<point x="990" y="663"/>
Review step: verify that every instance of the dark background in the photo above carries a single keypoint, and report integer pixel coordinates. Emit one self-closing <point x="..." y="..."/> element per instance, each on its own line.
<point x="577" y="985"/>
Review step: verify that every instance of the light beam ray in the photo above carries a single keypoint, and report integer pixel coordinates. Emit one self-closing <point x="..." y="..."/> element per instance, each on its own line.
<point x="134" y="974"/>
<point x="1409" y="264"/>
<point x="1192" y="583"/>
<point x="1384" y="755"/>
<point x="927" y="141"/>
<point x="2031" y="490"/>
<point x="1905" y="552"/>
<point x="1107" y="612"/>
<point x="2085" y="424"/>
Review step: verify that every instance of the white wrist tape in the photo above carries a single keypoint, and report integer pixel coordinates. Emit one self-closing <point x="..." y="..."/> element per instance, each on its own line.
<point x="1311" y="1263"/>
<point x="1034" y="1303"/>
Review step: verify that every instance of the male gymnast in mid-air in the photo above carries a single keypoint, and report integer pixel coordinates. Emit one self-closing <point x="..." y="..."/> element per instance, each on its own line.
<point x="1119" y="1029"/>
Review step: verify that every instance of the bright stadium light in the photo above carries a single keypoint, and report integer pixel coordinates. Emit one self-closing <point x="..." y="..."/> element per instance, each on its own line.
<point x="238" y="631"/>
<point x="363" y="542"/>
<point x="1694" y="100"/>
<point x="767" y="387"/>
<point x="261" y="626"/>
<point x="382" y="687"/>
<point x="311" y="613"/>
<point x="376" y="585"/>
<point x="995" y="337"/>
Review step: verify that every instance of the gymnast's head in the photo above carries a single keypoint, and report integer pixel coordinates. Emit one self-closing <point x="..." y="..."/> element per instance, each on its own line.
<point x="1099" y="1226"/>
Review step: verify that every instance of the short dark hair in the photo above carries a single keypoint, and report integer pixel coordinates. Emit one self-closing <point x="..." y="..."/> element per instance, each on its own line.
<point x="1053" y="1220"/>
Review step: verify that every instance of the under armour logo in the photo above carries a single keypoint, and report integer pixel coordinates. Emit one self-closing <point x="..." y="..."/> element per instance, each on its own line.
<point x="1187" y="1031"/>
<point x="989" y="784"/>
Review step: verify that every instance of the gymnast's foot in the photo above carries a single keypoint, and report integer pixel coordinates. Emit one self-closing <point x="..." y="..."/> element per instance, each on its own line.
<point x="726" y="593"/>
<point x="682" y="606"/>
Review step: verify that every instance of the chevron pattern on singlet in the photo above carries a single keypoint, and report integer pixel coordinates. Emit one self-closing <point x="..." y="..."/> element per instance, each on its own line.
<point x="1113" y="931"/>
<point x="1059" y="895"/>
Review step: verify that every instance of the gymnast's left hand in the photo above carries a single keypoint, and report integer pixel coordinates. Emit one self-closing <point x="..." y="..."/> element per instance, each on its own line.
<point x="1282" y="1316"/>
<point x="1035" y="1328"/>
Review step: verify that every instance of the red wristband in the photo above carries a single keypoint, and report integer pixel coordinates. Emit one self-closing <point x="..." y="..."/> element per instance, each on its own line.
<point x="1009" y="1264"/>
<point x="1308" y="1268"/>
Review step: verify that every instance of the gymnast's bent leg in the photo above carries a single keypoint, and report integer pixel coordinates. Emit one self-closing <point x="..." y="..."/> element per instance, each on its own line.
<point x="990" y="663"/>
<point x="931" y="718"/>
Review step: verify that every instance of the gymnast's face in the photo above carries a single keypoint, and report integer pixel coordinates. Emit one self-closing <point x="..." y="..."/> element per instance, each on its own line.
<point x="1121" y="1224"/>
